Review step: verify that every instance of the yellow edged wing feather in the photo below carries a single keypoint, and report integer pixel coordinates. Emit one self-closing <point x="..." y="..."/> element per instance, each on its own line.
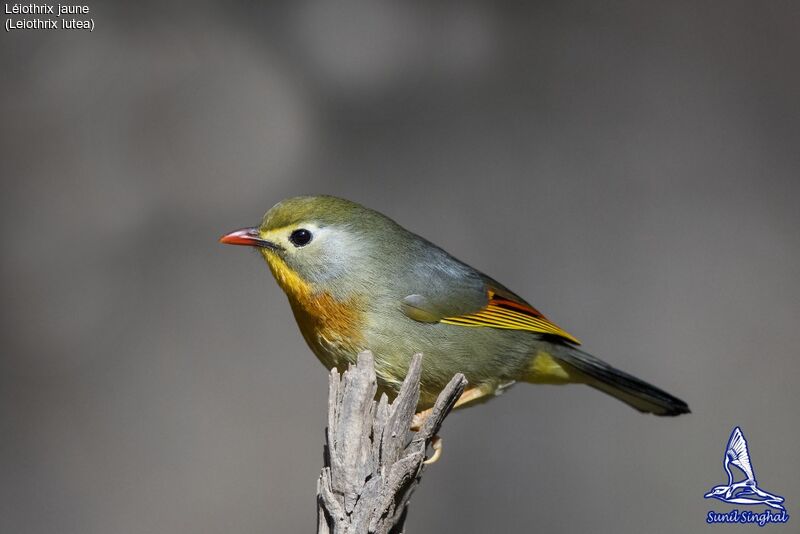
<point x="505" y="313"/>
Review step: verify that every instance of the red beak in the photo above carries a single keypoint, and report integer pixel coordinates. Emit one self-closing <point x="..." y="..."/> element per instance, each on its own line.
<point x="249" y="237"/>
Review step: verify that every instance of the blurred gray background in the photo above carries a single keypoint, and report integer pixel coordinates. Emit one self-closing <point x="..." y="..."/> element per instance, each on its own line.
<point x="631" y="168"/>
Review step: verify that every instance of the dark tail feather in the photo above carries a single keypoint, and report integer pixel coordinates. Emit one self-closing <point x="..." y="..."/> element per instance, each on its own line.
<point x="629" y="389"/>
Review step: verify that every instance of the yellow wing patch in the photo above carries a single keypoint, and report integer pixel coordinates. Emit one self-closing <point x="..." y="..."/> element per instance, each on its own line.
<point x="511" y="315"/>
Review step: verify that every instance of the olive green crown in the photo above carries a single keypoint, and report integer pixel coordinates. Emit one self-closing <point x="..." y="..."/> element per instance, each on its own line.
<point x="323" y="210"/>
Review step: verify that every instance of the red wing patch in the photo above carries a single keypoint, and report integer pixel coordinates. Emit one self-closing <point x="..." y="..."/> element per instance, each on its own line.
<point x="511" y="315"/>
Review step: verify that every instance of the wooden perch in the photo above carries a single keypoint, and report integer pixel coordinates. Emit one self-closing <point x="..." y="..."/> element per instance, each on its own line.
<point x="371" y="465"/>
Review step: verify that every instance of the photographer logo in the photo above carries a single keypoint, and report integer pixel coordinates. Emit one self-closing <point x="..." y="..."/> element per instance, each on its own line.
<point x="745" y="491"/>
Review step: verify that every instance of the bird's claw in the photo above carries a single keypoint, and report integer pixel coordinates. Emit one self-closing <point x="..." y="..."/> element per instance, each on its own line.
<point x="436" y="442"/>
<point x="419" y="419"/>
<point x="436" y="445"/>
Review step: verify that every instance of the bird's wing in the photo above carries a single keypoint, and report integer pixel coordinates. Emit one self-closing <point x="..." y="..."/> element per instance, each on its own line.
<point x="495" y="307"/>
<point x="738" y="454"/>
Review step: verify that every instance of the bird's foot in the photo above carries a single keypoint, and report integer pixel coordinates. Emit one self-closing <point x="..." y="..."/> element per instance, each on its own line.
<point x="419" y="419"/>
<point x="436" y="442"/>
<point x="468" y="396"/>
<point x="436" y="445"/>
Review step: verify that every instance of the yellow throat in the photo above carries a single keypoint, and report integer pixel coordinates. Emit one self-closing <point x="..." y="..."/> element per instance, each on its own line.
<point x="332" y="328"/>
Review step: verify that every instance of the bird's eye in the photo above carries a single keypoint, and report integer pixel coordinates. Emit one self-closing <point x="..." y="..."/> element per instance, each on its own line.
<point x="300" y="237"/>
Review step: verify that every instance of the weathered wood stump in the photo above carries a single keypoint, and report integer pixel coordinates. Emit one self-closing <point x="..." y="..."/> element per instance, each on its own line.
<point x="373" y="462"/>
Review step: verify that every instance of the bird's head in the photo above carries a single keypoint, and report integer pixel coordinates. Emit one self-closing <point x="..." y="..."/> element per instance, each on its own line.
<point x="321" y="243"/>
<point x="716" y="492"/>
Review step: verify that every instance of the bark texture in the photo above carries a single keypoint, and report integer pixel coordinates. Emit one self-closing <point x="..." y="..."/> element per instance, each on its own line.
<point x="373" y="462"/>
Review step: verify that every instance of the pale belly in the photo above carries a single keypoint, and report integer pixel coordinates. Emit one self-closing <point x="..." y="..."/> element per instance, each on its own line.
<point x="491" y="359"/>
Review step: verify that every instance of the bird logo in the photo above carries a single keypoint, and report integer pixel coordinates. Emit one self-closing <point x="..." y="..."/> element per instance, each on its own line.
<point x="745" y="491"/>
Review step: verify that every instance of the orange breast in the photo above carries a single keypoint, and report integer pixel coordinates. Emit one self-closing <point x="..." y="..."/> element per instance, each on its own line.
<point x="332" y="328"/>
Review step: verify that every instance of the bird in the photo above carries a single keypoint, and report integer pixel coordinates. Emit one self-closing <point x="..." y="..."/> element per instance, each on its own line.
<point x="745" y="491"/>
<point x="356" y="280"/>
